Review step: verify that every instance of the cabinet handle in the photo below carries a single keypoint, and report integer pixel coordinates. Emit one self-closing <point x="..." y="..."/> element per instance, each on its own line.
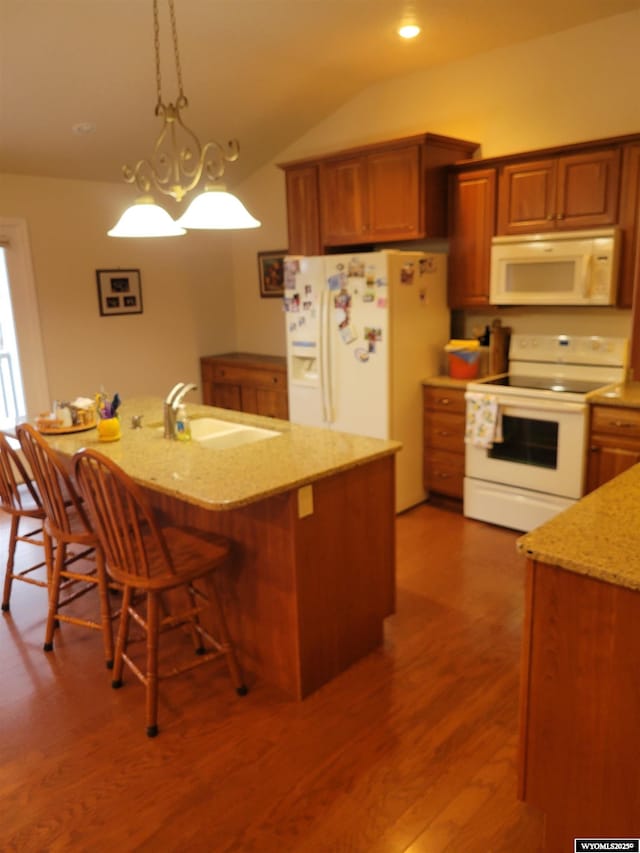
<point x="443" y="432"/>
<point x="442" y="476"/>
<point x="444" y="400"/>
<point x="624" y="424"/>
<point x="550" y="216"/>
<point x="274" y="379"/>
<point x="594" y="448"/>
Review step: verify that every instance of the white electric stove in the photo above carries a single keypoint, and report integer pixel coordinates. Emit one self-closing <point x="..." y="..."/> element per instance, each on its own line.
<point x="538" y="468"/>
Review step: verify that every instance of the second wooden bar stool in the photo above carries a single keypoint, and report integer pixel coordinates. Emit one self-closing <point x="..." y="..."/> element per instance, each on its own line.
<point x="68" y="528"/>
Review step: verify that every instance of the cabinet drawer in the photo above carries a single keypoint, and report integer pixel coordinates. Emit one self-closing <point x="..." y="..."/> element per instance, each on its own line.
<point x="444" y="473"/>
<point x="444" y="399"/>
<point x="249" y="376"/>
<point x="444" y="430"/>
<point x="614" y="420"/>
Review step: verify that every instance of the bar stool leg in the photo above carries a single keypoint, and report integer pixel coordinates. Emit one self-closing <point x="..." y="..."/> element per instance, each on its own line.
<point x="226" y="644"/>
<point x="11" y="553"/>
<point x="153" y="619"/>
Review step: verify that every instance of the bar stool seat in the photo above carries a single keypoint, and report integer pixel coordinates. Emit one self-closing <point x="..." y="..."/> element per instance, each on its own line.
<point x="155" y="561"/>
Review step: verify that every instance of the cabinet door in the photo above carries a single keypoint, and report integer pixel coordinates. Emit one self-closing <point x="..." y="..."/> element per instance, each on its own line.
<point x="629" y="220"/>
<point x="303" y="218"/>
<point x="272" y="404"/>
<point x="343" y="201"/>
<point x="226" y="396"/>
<point x="607" y="461"/>
<point x="526" y="198"/>
<point x="588" y="189"/>
<point x="394" y="194"/>
<point x="473" y="203"/>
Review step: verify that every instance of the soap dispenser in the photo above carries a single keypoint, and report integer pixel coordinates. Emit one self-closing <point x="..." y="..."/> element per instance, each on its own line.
<point x="183" y="427"/>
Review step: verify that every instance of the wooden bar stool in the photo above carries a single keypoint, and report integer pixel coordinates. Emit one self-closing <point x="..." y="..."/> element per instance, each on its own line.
<point x="20" y="500"/>
<point x="153" y="560"/>
<point x="67" y="526"/>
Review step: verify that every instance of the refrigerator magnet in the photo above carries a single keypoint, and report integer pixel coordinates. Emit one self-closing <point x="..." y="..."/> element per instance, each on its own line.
<point x="406" y="273"/>
<point x="337" y="281"/>
<point x="382" y="302"/>
<point x="368" y="297"/>
<point x="348" y="334"/>
<point x="428" y="265"/>
<point x="361" y="354"/>
<point x="355" y="268"/>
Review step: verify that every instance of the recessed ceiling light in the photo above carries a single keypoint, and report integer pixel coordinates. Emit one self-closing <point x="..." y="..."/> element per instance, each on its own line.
<point x="409" y="31"/>
<point x="82" y="128"/>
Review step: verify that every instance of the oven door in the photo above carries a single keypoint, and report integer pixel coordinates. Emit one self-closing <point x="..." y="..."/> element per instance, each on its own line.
<point x="543" y="447"/>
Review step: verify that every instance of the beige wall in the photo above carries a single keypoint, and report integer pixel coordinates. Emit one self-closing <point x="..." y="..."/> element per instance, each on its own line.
<point x="187" y="291"/>
<point x="556" y="90"/>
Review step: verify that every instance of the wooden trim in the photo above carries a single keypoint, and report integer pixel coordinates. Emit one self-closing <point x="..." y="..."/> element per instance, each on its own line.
<point x="556" y="150"/>
<point x="401" y="142"/>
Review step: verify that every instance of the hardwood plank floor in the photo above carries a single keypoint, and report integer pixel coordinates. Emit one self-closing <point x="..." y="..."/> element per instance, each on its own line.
<point x="413" y="750"/>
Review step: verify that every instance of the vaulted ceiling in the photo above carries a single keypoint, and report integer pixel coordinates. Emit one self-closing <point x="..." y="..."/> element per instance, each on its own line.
<point x="262" y="71"/>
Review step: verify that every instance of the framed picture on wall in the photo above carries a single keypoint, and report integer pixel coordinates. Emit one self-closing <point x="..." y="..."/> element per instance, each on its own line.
<point x="119" y="292"/>
<point x="271" y="272"/>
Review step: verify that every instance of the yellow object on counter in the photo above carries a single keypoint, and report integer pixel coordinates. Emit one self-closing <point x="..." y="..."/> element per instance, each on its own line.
<point x="457" y="344"/>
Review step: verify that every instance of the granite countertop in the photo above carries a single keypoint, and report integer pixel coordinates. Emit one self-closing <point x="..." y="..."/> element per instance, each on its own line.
<point x="599" y="536"/>
<point x="617" y="395"/>
<point x="225" y="479"/>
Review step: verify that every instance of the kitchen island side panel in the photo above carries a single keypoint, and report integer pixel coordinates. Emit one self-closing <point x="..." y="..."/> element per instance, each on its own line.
<point x="580" y="706"/>
<point x="345" y="553"/>
<point x="306" y="597"/>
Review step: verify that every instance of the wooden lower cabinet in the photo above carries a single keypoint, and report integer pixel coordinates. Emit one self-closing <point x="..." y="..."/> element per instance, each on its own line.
<point x="580" y="705"/>
<point x="444" y="419"/>
<point x="246" y="382"/>
<point x="614" y="443"/>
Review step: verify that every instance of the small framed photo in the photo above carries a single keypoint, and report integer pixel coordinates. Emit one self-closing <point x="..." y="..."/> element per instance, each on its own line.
<point x="119" y="292"/>
<point x="271" y="272"/>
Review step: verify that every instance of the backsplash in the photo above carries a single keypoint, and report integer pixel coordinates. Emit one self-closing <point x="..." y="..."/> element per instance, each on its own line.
<point x="546" y="321"/>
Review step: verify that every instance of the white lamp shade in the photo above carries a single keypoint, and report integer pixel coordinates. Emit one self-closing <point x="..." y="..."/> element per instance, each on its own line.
<point x="146" y="219"/>
<point x="217" y="209"/>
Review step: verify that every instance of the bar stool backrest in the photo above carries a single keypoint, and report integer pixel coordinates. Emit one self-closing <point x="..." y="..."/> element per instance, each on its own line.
<point x="57" y="492"/>
<point x="12" y="475"/>
<point x="123" y="520"/>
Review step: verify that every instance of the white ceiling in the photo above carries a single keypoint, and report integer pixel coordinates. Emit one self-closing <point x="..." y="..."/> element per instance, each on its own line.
<point x="263" y="71"/>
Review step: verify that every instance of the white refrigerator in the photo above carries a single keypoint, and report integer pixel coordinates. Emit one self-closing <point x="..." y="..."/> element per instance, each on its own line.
<point x="363" y="331"/>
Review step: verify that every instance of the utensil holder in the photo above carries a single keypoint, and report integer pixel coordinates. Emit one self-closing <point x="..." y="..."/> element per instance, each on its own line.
<point x="109" y="429"/>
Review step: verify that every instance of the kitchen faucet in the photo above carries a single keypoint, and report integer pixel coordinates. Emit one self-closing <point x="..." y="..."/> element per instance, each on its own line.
<point x="173" y="400"/>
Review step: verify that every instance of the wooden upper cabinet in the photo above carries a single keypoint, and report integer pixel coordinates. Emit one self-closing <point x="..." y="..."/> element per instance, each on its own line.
<point x="560" y="193"/>
<point x="375" y="197"/>
<point x="343" y="201"/>
<point x="630" y="227"/>
<point x="303" y="215"/>
<point x="472" y="225"/>
<point x="384" y="192"/>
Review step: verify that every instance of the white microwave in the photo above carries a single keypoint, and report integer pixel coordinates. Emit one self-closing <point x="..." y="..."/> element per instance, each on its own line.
<point x="561" y="268"/>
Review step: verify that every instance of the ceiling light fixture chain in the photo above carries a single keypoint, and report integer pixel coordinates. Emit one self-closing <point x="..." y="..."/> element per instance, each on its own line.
<point x="175" y="166"/>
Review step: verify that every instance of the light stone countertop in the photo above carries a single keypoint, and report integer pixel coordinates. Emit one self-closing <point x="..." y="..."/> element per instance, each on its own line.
<point x="617" y="395"/>
<point x="229" y="478"/>
<point x="599" y="536"/>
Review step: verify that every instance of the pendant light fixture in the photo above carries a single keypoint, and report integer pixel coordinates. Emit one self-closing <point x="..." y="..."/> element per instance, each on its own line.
<point x="176" y="166"/>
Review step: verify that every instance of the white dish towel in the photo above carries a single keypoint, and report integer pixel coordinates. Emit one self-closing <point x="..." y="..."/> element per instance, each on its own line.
<point x="483" y="427"/>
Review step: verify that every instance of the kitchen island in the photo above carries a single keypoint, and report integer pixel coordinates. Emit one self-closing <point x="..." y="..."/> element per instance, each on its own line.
<point x="580" y="699"/>
<point x="311" y="515"/>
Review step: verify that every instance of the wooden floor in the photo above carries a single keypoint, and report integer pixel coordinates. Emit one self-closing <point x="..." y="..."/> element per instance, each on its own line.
<point x="413" y="750"/>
